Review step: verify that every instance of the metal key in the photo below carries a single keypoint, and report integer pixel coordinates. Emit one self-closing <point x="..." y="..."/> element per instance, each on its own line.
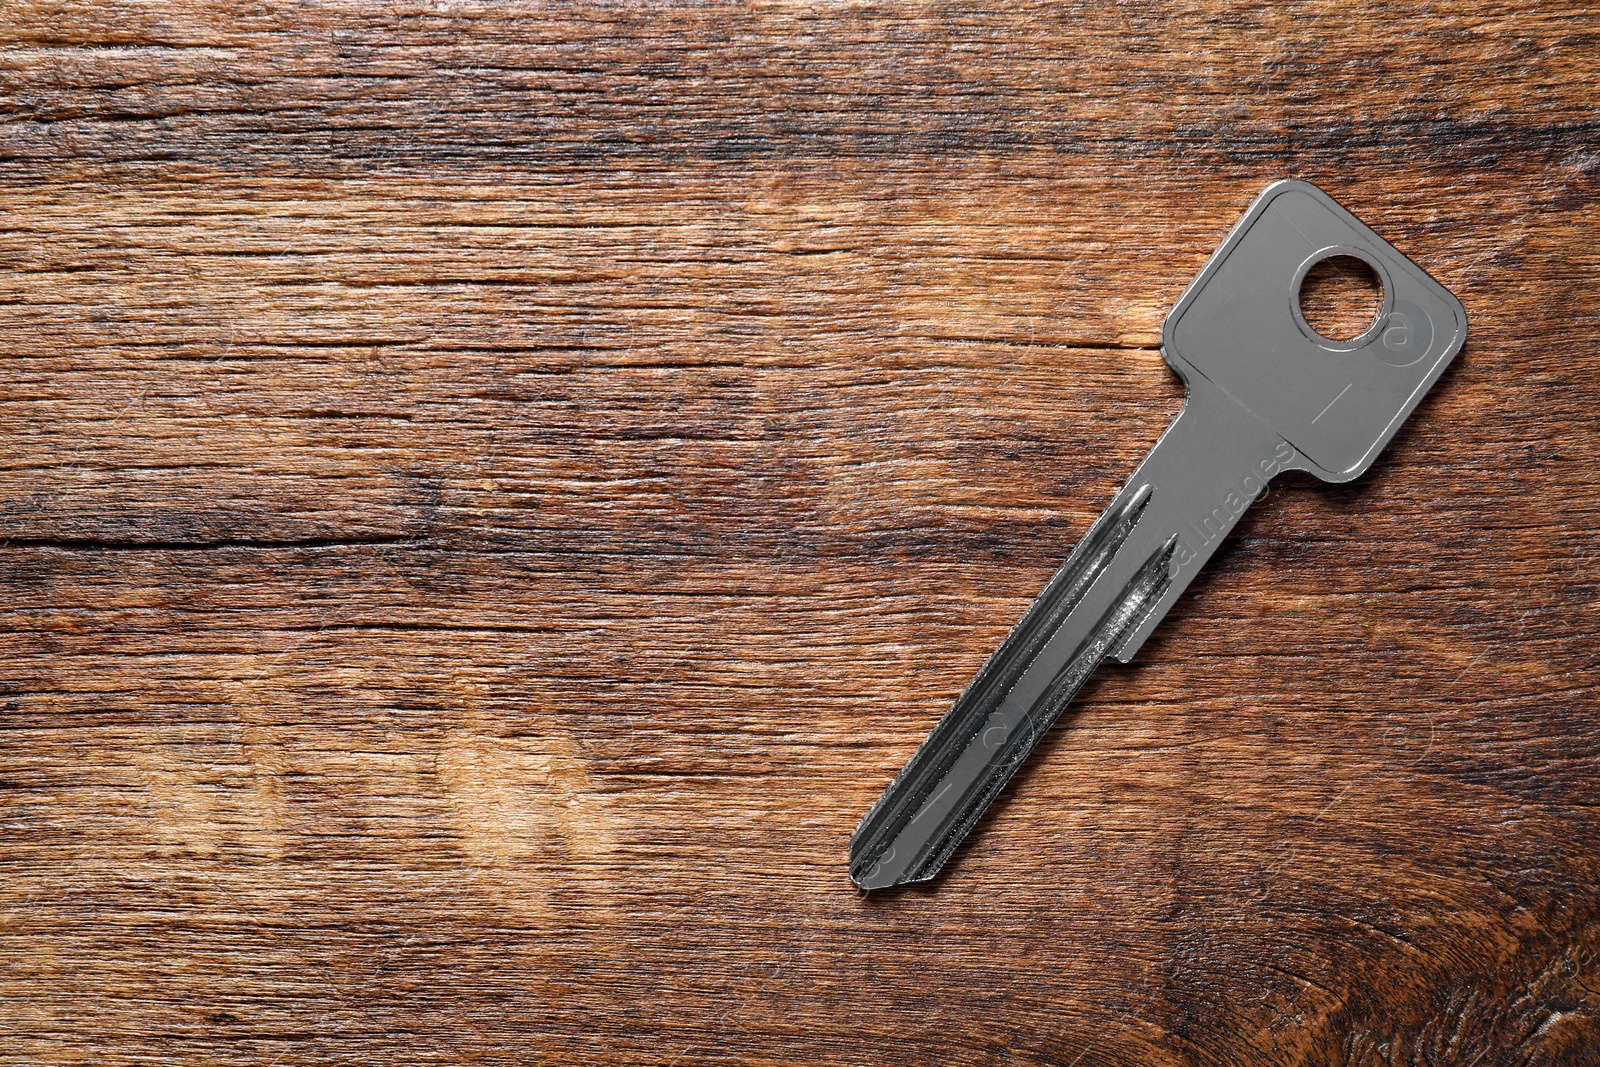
<point x="1266" y="393"/>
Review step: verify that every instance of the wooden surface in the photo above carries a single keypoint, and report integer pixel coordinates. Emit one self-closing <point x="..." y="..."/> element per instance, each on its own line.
<point x="491" y="493"/>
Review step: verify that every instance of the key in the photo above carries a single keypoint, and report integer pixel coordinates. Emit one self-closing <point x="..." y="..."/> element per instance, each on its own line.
<point x="1265" y="393"/>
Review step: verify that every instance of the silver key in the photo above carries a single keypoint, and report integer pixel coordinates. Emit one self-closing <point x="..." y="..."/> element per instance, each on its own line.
<point x="1266" y="393"/>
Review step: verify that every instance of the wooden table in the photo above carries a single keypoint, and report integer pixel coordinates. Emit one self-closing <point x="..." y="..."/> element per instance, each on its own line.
<point x="491" y="493"/>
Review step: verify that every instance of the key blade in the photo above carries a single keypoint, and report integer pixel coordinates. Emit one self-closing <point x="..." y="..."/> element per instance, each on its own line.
<point x="926" y="812"/>
<point x="875" y="836"/>
<point x="1160" y="530"/>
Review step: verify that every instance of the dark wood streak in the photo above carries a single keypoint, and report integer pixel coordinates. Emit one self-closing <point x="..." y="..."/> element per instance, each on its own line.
<point x="491" y="493"/>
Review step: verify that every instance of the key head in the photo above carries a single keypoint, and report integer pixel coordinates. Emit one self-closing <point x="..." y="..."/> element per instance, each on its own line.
<point x="1239" y="324"/>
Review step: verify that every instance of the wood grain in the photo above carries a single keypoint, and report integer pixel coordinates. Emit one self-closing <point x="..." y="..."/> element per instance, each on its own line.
<point x="492" y="492"/>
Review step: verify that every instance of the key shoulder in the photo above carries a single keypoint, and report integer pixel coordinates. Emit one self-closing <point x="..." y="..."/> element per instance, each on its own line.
<point x="1238" y="325"/>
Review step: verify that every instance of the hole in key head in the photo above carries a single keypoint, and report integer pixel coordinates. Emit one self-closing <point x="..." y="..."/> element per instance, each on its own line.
<point x="1341" y="297"/>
